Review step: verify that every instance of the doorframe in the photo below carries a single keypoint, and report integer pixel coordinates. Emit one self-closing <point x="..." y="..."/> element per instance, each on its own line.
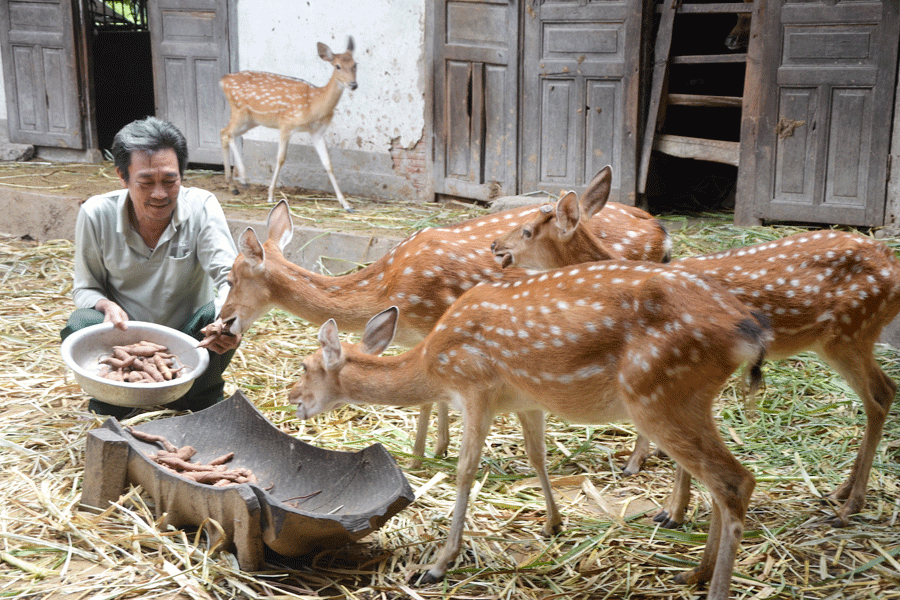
<point x="85" y="65"/>
<point x="428" y="133"/>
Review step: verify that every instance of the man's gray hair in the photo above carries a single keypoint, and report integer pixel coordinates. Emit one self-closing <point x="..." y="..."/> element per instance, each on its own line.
<point x="150" y="135"/>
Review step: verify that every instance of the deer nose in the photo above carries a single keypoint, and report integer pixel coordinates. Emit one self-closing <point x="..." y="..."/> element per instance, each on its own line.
<point x="352" y="85"/>
<point x="494" y="246"/>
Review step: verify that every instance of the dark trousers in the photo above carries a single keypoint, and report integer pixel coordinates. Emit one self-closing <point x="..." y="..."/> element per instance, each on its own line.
<point x="207" y="389"/>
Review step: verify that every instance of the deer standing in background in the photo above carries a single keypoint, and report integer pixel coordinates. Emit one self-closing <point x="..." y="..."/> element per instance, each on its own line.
<point x="288" y="105"/>
<point x="423" y="275"/>
<point x="593" y="343"/>
<point x="826" y="291"/>
<point x="739" y="37"/>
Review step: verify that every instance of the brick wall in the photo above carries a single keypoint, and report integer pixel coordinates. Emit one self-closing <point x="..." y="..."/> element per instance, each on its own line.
<point x="409" y="163"/>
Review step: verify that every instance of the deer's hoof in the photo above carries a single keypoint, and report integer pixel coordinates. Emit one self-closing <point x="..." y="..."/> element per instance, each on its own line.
<point x="662" y="517"/>
<point x="427" y="578"/>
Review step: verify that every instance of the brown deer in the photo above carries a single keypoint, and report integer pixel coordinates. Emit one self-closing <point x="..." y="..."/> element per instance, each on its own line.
<point x="422" y="275"/>
<point x="288" y="105"/>
<point x="592" y="343"/>
<point x="739" y="37"/>
<point x="825" y="291"/>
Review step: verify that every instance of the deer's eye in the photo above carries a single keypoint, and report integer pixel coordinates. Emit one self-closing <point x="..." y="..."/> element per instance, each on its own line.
<point x="526" y="233"/>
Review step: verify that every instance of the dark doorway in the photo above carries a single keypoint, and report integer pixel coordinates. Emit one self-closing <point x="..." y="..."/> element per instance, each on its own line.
<point x="122" y="65"/>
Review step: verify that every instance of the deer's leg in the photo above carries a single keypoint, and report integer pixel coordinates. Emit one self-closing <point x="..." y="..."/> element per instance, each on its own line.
<point x="283" y="139"/>
<point x="877" y="391"/>
<point x="318" y="141"/>
<point x="640" y="454"/>
<point x="238" y="125"/>
<point x="421" y="436"/>
<point x="533" y="429"/>
<point x="442" y="442"/>
<point x="687" y="432"/>
<point x="240" y="173"/>
<point x="443" y="433"/>
<point x="672" y="513"/>
<point x="476" y="422"/>
<point x="226" y="138"/>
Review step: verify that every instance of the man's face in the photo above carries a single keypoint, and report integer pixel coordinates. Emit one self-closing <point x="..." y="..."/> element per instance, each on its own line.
<point x="153" y="184"/>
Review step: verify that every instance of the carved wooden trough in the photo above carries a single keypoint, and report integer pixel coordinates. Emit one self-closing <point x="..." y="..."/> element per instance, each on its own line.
<point x="308" y="499"/>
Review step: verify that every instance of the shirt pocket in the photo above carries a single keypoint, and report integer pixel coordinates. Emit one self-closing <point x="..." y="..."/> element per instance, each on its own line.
<point x="180" y="252"/>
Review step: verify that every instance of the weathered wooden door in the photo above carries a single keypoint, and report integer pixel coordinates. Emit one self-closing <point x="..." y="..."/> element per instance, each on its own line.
<point x="475" y="68"/>
<point x="828" y="78"/>
<point x="190" y="46"/>
<point x="581" y="103"/>
<point x="40" y="73"/>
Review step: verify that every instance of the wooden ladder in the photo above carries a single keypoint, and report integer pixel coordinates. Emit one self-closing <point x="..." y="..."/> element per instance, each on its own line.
<point x="675" y="145"/>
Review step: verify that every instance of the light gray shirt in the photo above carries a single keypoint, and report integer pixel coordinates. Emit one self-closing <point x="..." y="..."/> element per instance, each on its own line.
<point x="164" y="285"/>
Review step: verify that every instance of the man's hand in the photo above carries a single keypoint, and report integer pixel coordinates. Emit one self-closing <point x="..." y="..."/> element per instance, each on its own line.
<point x="113" y="313"/>
<point x="218" y="338"/>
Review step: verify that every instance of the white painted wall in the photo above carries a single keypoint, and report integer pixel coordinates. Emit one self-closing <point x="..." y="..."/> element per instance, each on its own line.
<point x="280" y="36"/>
<point x="2" y="93"/>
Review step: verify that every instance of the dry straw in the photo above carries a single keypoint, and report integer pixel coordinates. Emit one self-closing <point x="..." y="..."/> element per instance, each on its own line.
<point x="800" y="444"/>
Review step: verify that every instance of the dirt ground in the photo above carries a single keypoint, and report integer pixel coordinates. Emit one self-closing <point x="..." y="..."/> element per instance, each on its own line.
<point x="313" y="208"/>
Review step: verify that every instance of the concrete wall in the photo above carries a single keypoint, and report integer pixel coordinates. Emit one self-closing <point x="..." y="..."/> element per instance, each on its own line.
<point x="375" y="128"/>
<point x="3" y="115"/>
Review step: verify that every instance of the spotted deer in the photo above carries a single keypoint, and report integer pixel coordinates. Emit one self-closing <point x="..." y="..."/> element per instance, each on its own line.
<point x="422" y="275"/>
<point x="826" y="291"/>
<point x="288" y="105"/>
<point x="614" y="340"/>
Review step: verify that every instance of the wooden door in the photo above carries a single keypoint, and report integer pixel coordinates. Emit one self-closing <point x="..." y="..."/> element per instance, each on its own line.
<point x="828" y="73"/>
<point x="475" y="66"/>
<point x="40" y="73"/>
<point x="190" y="46"/>
<point x="581" y="102"/>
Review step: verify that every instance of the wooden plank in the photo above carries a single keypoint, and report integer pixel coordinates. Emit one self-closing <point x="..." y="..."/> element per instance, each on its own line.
<point x="709" y="59"/>
<point x="687" y="147"/>
<point x="698" y="100"/>
<point x="742" y="8"/>
<point x="745" y="188"/>
<point x="660" y="72"/>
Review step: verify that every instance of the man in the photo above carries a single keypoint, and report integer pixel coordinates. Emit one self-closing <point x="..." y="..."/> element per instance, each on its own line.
<point x="154" y="251"/>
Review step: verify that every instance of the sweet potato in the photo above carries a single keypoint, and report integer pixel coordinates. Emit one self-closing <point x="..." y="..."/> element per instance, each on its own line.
<point x="142" y="362"/>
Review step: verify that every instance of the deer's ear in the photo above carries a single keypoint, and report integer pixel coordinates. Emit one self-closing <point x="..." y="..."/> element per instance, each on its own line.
<point x="380" y="331"/>
<point x="251" y="248"/>
<point x="597" y="192"/>
<point x="568" y="213"/>
<point x="325" y="52"/>
<point x="331" y="343"/>
<point x="350" y="44"/>
<point x="280" y="225"/>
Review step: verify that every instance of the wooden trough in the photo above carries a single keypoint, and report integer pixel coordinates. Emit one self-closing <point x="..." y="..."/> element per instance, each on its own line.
<point x="308" y="499"/>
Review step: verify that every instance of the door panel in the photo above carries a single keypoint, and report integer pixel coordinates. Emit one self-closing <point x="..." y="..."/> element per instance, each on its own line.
<point x="40" y="72"/>
<point x="558" y="140"/>
<point x="580" y="66"/>
<point x="190" y="54"/>
<point x="828" y="77"/>
<point x="475" y="97"/>
<point x="602" y="134"/>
